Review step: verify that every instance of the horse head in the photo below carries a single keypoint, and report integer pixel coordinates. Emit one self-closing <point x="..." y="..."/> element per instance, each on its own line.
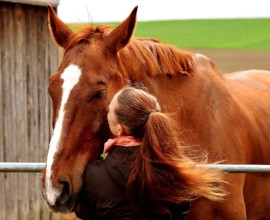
<point x="80" y="90"/>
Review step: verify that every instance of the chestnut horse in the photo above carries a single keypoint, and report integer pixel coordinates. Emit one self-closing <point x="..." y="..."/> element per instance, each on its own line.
<point x="227" y="116"/>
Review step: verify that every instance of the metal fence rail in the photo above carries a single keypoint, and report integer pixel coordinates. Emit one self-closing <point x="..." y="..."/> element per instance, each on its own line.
<point x="240" y="168"/>
<point x="230" y="168"/>
<point x="21" y="167"/>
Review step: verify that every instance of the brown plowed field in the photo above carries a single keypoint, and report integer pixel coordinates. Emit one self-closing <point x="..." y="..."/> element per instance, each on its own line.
<point x="234" y="60"/>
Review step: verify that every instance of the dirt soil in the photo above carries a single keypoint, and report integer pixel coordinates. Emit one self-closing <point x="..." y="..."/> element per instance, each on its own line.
<point x="234" y="60"/>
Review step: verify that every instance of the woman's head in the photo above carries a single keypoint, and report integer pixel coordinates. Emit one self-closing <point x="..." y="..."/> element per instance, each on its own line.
<point x="129" y="111"/>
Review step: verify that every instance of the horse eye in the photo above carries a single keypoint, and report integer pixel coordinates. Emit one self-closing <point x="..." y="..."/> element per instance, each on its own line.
<point x="99" y="94"/>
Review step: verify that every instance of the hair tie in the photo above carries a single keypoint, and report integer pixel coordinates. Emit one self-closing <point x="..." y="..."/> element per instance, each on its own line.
<point x="148" y="115"/>
<point x="150" y="112"/>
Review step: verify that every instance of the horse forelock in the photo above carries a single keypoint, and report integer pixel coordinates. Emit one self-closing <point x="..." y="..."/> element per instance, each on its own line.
<point x="85" y="34"/>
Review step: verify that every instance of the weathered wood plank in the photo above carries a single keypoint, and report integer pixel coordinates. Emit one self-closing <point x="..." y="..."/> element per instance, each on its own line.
<point x="2" y="175"/>
<point x="21" y="106"/>
<point x="9" y="115"/>
<point x="35" y="2"/>
<point x="32" y="101"/>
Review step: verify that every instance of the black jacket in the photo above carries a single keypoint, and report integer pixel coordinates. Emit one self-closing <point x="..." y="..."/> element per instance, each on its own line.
<point x="103" y="194"/>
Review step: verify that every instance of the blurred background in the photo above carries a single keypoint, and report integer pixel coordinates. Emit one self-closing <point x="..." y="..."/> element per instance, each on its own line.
<point x="235" y="34"/>
<point x="117" y="10"/>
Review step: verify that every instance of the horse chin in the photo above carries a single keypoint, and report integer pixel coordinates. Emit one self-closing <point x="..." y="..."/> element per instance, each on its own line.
<point x="64" y="204"/>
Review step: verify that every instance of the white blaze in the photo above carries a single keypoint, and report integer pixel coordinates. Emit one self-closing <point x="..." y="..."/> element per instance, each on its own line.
<point x="70" y="77"/>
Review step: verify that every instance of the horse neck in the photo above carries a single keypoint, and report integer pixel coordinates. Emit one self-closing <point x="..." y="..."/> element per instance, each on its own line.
<point x="183" y="90"/>
<point x="161" y="67"/>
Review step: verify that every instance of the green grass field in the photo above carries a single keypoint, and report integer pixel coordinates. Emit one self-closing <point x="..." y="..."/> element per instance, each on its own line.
<point x="246" y="34"/>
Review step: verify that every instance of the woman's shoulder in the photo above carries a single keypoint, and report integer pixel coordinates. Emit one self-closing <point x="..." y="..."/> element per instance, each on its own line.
<point x="101" y="171"/>
<point x="97" y="183"/>
<point x="94" y="168"/>
<point x="96" y="164"/>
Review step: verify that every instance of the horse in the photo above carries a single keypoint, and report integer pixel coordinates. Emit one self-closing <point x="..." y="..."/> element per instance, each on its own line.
<point x="227" y="116"/>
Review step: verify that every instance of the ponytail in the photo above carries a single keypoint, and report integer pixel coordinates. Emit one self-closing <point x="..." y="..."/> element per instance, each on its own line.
<point x="163" y="175"/>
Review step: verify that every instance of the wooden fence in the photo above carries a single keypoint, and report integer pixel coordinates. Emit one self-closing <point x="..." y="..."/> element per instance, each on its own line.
<point x="27" y="58"/>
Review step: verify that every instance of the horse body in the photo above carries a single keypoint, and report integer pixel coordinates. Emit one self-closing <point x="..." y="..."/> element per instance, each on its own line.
<point x="226" y="116"/>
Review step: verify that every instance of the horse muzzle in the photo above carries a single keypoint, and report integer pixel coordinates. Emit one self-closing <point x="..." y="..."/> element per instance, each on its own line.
<point x="60" y="200"/>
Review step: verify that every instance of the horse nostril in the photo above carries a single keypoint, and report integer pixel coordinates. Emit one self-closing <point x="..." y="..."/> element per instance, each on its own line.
<point x="65" y="194"/>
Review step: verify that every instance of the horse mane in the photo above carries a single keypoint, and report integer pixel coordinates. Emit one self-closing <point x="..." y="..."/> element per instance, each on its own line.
<point x="142" y="55"/>
<point x="145" y="55"/>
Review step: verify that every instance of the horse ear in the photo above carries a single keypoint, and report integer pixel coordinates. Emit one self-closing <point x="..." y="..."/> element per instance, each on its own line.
<point x="59" y="30"/>
<point x="122" y="34"/>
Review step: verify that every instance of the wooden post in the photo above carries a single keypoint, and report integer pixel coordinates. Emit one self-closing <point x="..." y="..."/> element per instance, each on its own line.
<point x="27" y="58"/>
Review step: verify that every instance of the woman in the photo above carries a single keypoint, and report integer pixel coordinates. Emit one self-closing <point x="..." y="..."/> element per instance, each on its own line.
<point x="146" y="174"/>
